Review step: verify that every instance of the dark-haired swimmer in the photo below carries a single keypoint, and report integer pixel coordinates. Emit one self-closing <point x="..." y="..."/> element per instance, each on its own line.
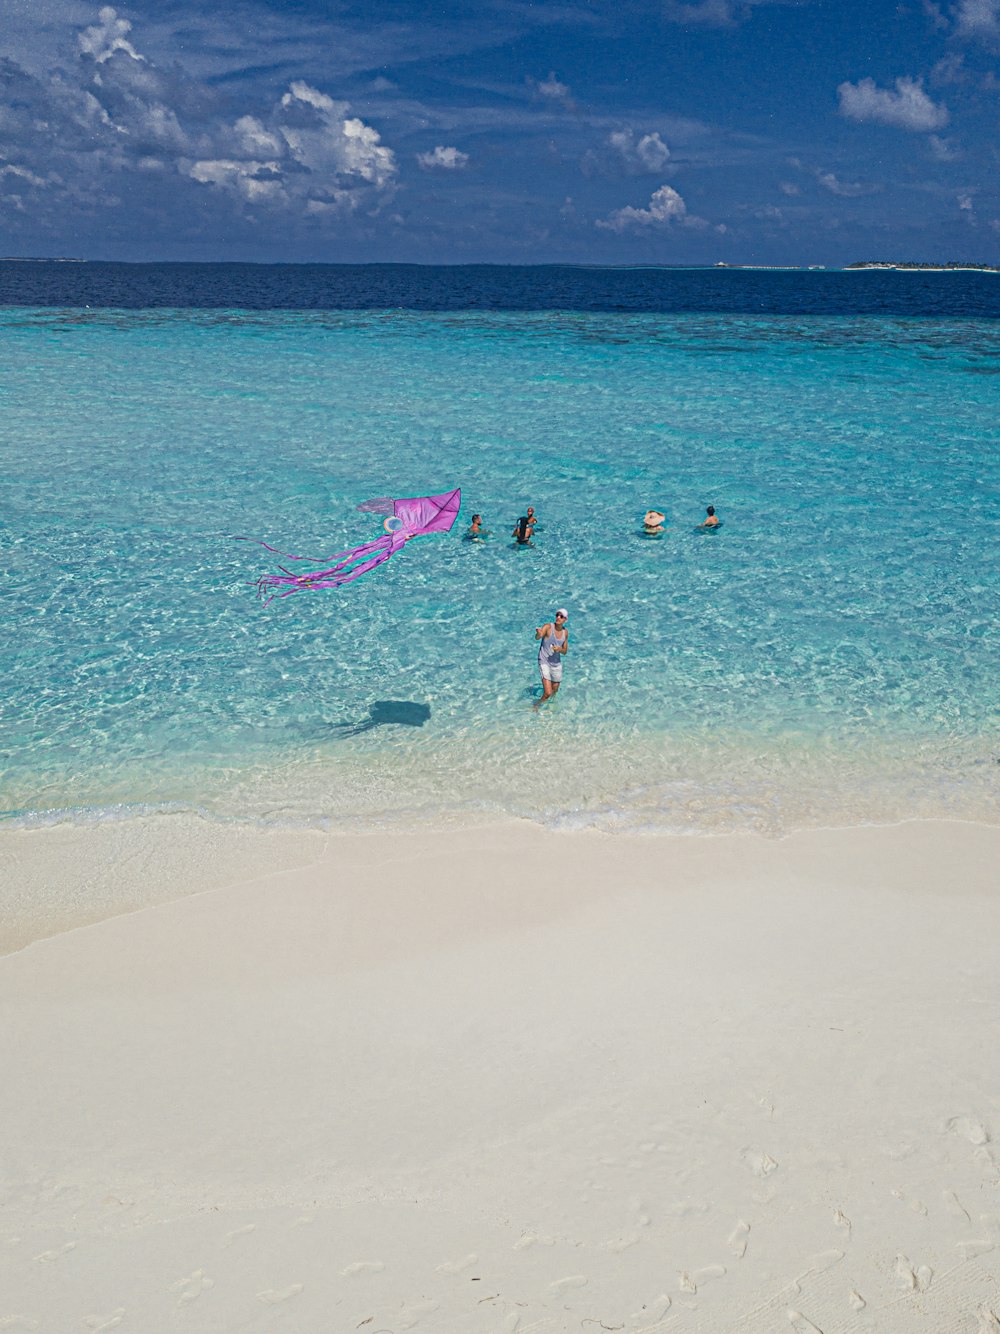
<point x="476" y="532"/>
<point x="523" y="531"/>
<point x="711" y="521"/>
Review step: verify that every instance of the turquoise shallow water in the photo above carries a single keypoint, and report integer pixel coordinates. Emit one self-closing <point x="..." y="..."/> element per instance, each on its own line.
<point x="828" y="657"/>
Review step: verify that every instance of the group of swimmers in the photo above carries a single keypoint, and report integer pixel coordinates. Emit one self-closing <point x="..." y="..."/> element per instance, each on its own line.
<point x="523" y="531"/>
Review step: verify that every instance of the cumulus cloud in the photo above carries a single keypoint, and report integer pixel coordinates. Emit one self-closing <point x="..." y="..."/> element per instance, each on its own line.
<point x="665" y="207"/>
<point x="978" y="19"/>
<point x="445" y="159"/>
<point x="908" y="108"/>
<point x="647" y="153"/>
<point x="107" y="36"/>
<point x="116" y="112"/>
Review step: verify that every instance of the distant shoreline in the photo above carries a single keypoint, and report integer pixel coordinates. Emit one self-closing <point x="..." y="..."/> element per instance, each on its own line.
<point x="923" y="268"/>
<point x="857" y="266"/>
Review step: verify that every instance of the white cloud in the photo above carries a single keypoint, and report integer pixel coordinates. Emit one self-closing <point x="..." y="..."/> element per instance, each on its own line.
<point x="715" y="13"/>
<point x="908" y="108"/>
<point x="254" y="138"/>
<point x="329" y="144"/>
<point x="255" y="181"/>
<point x="845" y="189"/>
<point x="447" y="159"/>
<point x="22" y="173"/>
<point x="978" y="18"/>
<point x="107" y="36"/>
<point x="789" y="188"/>
<point x="647" y="153"/>
<point x="553" y="89"/>
<point x="964" y="203"/>
<point x="665" y="207"/>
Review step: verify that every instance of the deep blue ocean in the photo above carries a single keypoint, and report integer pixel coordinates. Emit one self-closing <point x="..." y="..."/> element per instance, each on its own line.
<point x="828" y="656"/>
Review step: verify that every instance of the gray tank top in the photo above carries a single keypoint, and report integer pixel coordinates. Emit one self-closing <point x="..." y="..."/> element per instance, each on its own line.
<point x="547" y="648"/>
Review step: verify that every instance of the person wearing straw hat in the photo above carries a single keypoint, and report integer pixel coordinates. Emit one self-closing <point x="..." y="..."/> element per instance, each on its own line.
<point x="554" y="638"/>
<point x="652" y="523"/>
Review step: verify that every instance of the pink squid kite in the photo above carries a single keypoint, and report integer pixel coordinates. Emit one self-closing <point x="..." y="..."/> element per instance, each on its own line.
<point x="404" y="519"/>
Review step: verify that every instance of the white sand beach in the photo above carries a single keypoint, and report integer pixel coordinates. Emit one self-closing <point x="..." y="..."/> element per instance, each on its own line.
<point x="500" y="1079"/>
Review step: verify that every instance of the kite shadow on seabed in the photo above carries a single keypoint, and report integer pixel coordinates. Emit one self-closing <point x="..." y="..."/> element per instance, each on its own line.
<point x="402" y="712"/>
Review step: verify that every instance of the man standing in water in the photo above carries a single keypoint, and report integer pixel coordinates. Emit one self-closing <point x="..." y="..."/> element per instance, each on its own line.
<point x="551" y="651"/>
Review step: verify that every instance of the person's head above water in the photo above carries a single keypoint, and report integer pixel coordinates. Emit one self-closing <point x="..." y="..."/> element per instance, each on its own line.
<point x="711" y="510"/>
<point x="476" y="518"/>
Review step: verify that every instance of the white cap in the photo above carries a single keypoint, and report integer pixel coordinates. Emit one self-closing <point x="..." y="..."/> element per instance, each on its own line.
<point x="561" y="611"/>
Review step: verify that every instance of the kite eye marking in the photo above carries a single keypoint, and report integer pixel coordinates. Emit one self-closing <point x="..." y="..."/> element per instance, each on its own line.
<point x="393" y="524"/>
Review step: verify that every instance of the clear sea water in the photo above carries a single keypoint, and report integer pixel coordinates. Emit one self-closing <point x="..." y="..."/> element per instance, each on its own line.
<point x="828" y="657"/>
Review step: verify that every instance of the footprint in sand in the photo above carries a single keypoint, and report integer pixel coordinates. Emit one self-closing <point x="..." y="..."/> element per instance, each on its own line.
<point x="978" y="1246"/>
<point x="699" y="1277"/>
<point x="362" y="1267"/>
<point x="618" y="1244"/>
<point x="760" y="1164"/>
<point x="100" y="1323"/>
<point x="802" y="1324"/>
<point x="654" y="1310"/>
<point x="561" y="1285"/>
<point x="969" y="1128"/>
<point x="916" y="1279"/>
<point x="191" y="1287"/>
<point x="841" y="1220"/>
<point x="235" y="1235"/>
<point x="412" y="1315"/>
<point x="457" y="1266"/>
<point x="272" y="1296"/>
<point x="530" y="1239"/>
<point x="737" y="1242"/>
<point x="57" y="1253"/>
<point x="857" y="1301"/>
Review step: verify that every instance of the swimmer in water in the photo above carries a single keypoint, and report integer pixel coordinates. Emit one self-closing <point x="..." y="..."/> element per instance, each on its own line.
<point x="652" y="523"/>
<point x="476" y="532"/>
<point x="711" y="521"/>
<point x="551" y="651"/>
<point x="523" y="531"/>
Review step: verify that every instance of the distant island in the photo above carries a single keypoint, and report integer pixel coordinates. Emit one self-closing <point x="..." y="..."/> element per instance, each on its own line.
<point x="952" y="264"/>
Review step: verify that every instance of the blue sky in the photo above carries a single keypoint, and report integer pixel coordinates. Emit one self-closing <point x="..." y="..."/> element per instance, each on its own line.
<point x="579" y="131"/>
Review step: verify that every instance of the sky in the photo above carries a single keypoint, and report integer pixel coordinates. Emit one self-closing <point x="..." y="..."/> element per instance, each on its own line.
<point x="453" y="131"/>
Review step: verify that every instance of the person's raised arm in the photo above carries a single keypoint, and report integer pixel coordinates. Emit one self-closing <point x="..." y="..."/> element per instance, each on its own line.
<point x="542" y="630"/>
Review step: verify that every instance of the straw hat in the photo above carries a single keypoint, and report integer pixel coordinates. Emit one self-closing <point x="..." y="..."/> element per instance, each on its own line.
<point x="652" y="518"/>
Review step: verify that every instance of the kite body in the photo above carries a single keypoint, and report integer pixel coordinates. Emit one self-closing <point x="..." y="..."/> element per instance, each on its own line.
<point x="404" y="520"/>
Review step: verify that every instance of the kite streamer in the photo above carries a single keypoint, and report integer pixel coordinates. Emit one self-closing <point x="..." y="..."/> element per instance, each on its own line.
<point x="404" y="520"/>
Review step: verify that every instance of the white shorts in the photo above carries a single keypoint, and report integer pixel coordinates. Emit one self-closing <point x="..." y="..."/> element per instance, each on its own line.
<point x="551" y="671"/>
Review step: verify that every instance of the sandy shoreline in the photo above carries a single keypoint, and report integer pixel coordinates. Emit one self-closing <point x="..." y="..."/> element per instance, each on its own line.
<point x="507" y="1080"/>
